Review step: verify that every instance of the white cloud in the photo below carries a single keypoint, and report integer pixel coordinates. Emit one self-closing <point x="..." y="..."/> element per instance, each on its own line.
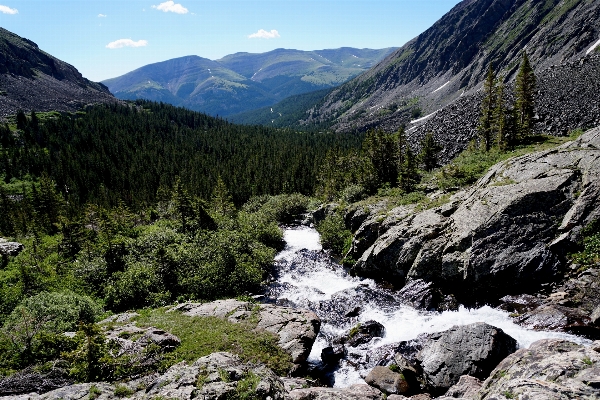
<point x="8" y="10"/>
<point x="117" y="44"/>
<point x="170" y="6"/>
<point x="262" y="34"/>
<point x="101" y="15"/>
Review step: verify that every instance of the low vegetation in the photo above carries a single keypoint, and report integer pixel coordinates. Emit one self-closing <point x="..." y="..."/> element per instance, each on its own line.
<point x="201" y="336"/>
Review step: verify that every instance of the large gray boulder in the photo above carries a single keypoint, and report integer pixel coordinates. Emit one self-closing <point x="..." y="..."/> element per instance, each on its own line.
<point x="474" y="350"/>
<point x="509" y="233"/>
<point x="386" y="380"/>
<point x="435" y="362"/>
<point x="550" y="369"/>
<point x="296" y="329"/>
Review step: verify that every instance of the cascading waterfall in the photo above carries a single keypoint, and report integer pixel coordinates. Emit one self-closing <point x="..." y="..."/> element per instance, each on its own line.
<point x="308" y="278"/>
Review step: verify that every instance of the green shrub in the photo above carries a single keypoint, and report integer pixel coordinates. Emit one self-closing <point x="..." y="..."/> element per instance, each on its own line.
<point x="590" y="254"/>
<point x="353" y="193"/>
<point x="283" y="208"/>
<point x="136" y="287"/>
<point x="334" y="234"/>
<point x="123" y="391"/>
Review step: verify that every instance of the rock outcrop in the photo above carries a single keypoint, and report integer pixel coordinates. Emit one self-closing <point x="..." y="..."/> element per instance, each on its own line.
<point x="548" y="369"/>
<point x="296" y="329"/>
<point x="508" y="234"/>
<point x="435" y="362"/>
<point x="10" y="249"/>
<point x="216" y="376"/>
<point x="386" y="380"/>
<point x="354" y="392"/>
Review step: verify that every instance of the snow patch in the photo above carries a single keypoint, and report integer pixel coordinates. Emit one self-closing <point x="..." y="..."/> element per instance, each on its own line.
<point x="414" y="121"/>
<point x="441" y="87"/>
<point x="592" y="48"/>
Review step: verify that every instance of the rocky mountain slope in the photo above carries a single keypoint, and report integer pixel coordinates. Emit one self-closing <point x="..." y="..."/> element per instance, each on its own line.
<point x="445" y="65"/>
<point x="243" y="81"/>
<point x="508" y="235"/>
<point x="31" y="79"/>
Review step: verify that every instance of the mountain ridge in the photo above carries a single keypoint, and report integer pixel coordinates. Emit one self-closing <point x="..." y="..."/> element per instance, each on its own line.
<point x="242" y="81"/>
<point x="449" y="60"/>
<point x="33" y="79"/>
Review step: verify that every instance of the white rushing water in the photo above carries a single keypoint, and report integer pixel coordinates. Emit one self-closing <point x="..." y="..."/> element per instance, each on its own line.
<point x="307" y="280"/>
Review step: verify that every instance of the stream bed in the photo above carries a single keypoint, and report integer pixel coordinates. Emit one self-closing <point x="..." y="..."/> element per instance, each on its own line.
<point x="306" y="277"/>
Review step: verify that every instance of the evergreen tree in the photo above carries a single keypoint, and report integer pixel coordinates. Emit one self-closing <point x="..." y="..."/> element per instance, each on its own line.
<point x="21" y="120"/>
<point x="408" y="176"/>
<point x="503" y="136"/>
<point x="381" y="150"/>
<point x="488" y="105"/>
<point x="525" y="85"/>
<point x="222" y="204"/>
<point x="182" y="202"/>
<point x="428" y="157"/>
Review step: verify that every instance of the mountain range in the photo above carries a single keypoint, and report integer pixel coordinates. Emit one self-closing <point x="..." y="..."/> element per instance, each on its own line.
<point x="243" y="81"/>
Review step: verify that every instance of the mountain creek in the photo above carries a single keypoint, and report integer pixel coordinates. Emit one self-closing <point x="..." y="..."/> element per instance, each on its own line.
<point x="306" y="277"/>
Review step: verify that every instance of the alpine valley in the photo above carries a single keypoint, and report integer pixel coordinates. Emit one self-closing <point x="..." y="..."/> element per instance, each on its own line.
<point x="421" y="222"/>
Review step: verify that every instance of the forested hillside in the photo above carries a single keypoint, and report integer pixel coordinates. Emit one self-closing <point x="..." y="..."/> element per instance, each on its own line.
<point x="113" y="153"/>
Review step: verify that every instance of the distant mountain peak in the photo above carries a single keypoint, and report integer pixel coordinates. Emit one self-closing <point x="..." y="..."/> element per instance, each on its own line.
<point x="242" y="81"/>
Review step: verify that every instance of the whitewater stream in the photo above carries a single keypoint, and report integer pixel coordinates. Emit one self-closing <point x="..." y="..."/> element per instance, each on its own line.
<point x="306" y="277"/>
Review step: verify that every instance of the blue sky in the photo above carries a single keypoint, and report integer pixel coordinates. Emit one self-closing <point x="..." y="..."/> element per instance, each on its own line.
<point x="105" y="39"/>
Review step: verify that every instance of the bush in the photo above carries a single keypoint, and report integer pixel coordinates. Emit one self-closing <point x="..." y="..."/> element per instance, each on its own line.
<point x="334" y="234"/>
<point x="136" y="287"/>
<point x="590" y="254"/>
<point x="353" y="193"/>
<point x="33" y="332"/>
<point x="283" y="208"/>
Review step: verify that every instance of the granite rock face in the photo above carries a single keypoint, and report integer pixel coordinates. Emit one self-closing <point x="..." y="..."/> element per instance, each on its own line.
<point x="296" y="329"/>
<point x="354" y="392"/>
<point x="507" y="234"/>
<point x="548" y="369"/>
<point x="216" y="376"/>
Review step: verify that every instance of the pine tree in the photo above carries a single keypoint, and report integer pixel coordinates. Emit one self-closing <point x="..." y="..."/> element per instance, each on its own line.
<point x="381" y="150"/>
<point x="525" y="98"/>
<point x="182" y="203"/>
<point x="488" y="105"/>
<point x="222" y="203"/>
<point x="503" y="136"/>
<point x="408" y="175"/>
<point x="428" y="157"/>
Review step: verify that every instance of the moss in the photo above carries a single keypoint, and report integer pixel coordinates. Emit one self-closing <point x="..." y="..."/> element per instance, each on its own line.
<point x="355" y="329"/>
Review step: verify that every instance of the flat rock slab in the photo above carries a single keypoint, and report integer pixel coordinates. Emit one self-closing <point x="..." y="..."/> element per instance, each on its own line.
<point x="354" y="392"/>
<point x="296" y="329"/>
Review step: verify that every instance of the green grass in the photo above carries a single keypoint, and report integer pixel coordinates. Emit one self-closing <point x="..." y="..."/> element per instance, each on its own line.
<point x="473" y="163"/>
<point x="201" y="336"/>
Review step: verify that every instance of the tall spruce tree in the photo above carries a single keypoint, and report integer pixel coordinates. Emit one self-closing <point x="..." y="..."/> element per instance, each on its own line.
<point x="408" y="175"/>
<point x="501" y="127"/>
<point x="525" y="85"/>
<point x="428" y="157"/>
<point x="488" y="105"/>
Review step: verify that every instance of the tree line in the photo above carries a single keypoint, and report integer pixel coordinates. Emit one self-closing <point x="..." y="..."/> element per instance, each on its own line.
<point x="129" y="152"/>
